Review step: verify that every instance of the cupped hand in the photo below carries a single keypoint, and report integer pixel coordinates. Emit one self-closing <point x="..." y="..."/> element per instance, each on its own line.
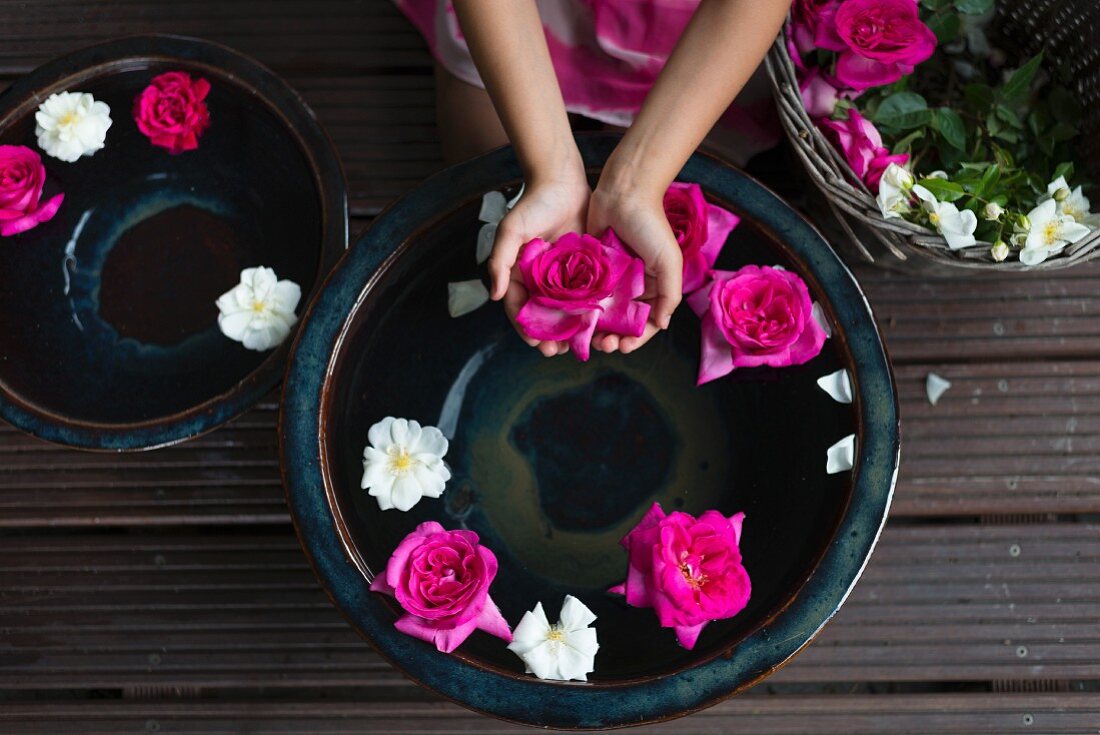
<point x="547" y="210"/>
<point x="640" y="222"/>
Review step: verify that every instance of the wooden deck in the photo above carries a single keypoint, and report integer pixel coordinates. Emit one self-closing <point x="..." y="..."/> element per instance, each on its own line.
<point x="166" y="592"/>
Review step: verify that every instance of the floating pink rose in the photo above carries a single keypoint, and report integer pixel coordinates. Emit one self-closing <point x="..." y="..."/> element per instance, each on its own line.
<point x="813" y="25"/>
<point x="688" y="570"/>
<point x="441" y="579"/>
<point x="578" y="284"/>
<point x="755" y="316"/>
<point x="861" y="145"/>
<point x="172" y="111"/>
<point x="883" y="41"/>
<point x="22" y="178"/>
<point x="700" y="228"/>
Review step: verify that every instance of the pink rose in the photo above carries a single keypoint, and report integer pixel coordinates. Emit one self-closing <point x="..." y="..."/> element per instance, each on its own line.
<point x="22" y="177"/>
<point x="579" y="284"/>
<point x="813" y="25"/>
<point x="172" y="112"/>
<point x="700" y="228"/>
<point x="819" y="97"/>
<point x="755" y="316"/>
<point x="688" y="570"/>
<point x="441" y="579"/>
<point x="883" y="41"/>
<point x="861" y="145"/>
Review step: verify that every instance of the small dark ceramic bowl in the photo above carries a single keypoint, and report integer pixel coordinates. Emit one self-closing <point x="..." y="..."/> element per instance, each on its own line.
<point x="554" y="460"/>
<point x="108" y="328"/>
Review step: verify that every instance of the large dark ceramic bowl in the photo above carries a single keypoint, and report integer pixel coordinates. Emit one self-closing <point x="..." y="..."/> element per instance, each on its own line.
<point x="108" y="328"/>
<point x="555" y="460"/>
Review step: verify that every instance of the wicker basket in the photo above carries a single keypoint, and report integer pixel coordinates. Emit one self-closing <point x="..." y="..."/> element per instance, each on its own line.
<point x="1067" y="30"/>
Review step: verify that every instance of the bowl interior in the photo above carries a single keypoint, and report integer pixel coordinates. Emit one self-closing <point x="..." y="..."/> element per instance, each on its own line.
<point x="554" y="461"/>
<point x="107" y="311"/>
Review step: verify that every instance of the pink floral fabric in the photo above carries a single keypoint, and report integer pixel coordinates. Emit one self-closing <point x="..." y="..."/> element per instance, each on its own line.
<point x="607" y="54"/>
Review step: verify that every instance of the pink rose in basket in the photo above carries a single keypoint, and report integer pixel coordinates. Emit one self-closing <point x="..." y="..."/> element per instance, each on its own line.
<point x="687" y="569"/>
<point x="441" y="579"/>
<point x="22" y="178"/>
<point x="755" y="316"/>
<point x="700" y="228"/>
<point x="813" y="25"/>
<point x="172" y="111"/>
<point x="861" y="145"/>
<point x="579" y="284"/>
<point x="820" y="93"/>
<point x="883" y="41"/>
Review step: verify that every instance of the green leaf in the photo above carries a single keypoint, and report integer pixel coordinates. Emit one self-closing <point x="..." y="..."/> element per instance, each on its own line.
<point x="905" y="145"/>
<point x="949" y="125"/>
<point x="1062" y="132"/>
<point x="946" y="27"/>
<point x="1018" y="86"/>
<point x="974" y="7"/>
<point x="904" y="111"/>
<point x="979" y="96"/>
<point x="942" y="189"/>
<point x="1008" y="115"/>
<point x="1065" y="168"/>
<point x="989" y="181"/>
<point x="934" y="5"/>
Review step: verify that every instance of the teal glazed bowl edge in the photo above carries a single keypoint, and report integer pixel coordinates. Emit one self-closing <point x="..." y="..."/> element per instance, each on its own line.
<point x="308" y="476"/>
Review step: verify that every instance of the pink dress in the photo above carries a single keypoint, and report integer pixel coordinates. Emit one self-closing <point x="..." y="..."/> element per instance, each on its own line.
<point x="607" y="54"/>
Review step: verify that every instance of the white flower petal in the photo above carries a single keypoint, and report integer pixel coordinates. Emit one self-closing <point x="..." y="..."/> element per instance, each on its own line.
<point x="822" y="320"/>
<point x="531" y="631"/>
<point x="838" y="385"/>
<point x="430" y="483"/>
<point x="935" y="386"/>
<point x="486" y="236"/>
<point x="235" y="324"/>
<point x="464" y="297"/>
<point x="71" y="124"/>
<point x="432" y="441"/>
<point x="493" y="207"/>
<point x="575" y="615"/>
<point x="383" y="491"/>
<point x="519" y="195"/>
<point x="573" y="665"/>
<point x="380" y="434"/>
<point x="286" y="296"/>
<point x="406" y="492"/>
<point x="841" y="456"/>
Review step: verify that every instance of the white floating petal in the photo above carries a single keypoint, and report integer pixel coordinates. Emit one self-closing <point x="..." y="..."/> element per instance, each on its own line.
<point x="485" y="238"/>
<point x="259" y="311"/>
<point x="519" y="195"/>
<point x="841" y="456"/>
<point x="465" y="296"/>
<point x="493" y="207"/>
<point x="562" y="652"/>
<point x="404" y="463"/>
<point x="838" y="385"/>
<point x="936" y="386"/>
<point x="819" y="316"/>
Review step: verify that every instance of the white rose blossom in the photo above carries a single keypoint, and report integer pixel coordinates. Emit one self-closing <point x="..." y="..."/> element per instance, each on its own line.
<point x="1072" y="203"/>
<point x="893" y="191"/>
<point x="999" y="251"/>
<point x="404" y="463"/>
<point x="1049" y="233"/>
<point x="72" y="124"/>
<point x="955" y="226"/>
<point x="564" y="651"/>
<point x="259" y="311"/>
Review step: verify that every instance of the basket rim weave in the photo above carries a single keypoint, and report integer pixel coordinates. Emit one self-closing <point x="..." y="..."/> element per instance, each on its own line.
<point x="850" y="199"/>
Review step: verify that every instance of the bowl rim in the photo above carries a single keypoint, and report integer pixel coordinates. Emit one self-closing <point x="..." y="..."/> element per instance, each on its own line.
<point x="325" y="168"/>
<point x="522" y="699"/>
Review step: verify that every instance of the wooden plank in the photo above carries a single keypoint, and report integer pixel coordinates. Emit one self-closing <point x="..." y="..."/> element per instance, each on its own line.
<point x="341" y="36"/>
<point x="937" y="603"/>
<point x="888" y="714"/>
<point x="1025" y="316"/>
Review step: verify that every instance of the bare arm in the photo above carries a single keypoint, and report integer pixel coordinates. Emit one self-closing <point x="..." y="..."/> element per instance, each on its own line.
<point x="717" y="53"/>
<point x="508" y="45"/>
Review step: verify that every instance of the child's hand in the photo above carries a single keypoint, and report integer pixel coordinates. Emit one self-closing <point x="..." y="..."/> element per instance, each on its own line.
<point x="547" y="210"/>
<point x="639" y="220"/>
